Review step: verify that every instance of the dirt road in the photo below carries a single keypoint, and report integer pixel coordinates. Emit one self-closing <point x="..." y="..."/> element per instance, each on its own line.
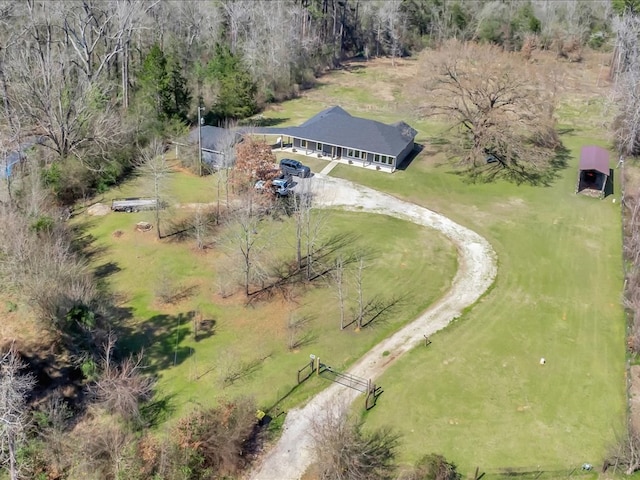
<point x="291" y="456"/>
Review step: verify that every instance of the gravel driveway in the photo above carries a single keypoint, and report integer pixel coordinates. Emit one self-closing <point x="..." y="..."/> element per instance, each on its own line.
<point x="477" y="269"/>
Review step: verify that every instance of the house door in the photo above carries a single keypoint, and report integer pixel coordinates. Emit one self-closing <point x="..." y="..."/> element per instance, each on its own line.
<point x="338" y="152"/>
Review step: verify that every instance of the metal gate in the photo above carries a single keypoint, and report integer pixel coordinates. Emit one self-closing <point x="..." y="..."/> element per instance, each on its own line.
<point x="346" y="379"/>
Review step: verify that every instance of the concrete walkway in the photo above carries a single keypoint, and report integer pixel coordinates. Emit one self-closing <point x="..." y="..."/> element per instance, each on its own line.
<point x="328" y="168"/>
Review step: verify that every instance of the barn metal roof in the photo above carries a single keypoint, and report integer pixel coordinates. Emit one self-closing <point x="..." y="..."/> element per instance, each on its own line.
<point x="595" y="158"/>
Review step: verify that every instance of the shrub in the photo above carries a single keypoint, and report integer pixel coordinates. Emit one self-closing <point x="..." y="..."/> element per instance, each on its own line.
<point x="432" y="467"/>
<point x="219" y="440"/>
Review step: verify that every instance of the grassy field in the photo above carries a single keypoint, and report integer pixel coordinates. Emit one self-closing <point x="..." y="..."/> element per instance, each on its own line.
<point x="478" y="394"/>
<point x="557" y="296"/>
<point x="252" y="341"/>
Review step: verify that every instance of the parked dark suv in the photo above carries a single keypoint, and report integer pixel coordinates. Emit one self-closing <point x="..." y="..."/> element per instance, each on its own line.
<point x="294" y="167"/>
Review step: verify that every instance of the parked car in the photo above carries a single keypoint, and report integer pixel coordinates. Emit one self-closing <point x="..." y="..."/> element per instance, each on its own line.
<point x="294" y="167"/>
<point x="282" y="180"/>
<point x="279" y="190"/>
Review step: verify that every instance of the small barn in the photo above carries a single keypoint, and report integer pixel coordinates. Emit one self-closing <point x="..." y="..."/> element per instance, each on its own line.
<point x="593" y="172"/>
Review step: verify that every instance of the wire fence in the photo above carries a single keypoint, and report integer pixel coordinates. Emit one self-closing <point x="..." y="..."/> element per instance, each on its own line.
<point x="582" y="472"/>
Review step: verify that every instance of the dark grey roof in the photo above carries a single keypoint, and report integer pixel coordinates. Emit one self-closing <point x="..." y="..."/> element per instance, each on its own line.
<point x="213" y="138"/>
<point x="268" y="130"/>
<point x="336" y="127"/>
<point x="332" y="126"/>
<point x="329" y="112"/>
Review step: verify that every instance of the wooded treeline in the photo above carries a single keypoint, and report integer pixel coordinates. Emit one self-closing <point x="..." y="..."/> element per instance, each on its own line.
<point x="92" y="80"/>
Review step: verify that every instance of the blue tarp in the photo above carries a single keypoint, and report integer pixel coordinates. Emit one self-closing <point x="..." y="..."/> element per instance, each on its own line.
<point x="13" y="158"/>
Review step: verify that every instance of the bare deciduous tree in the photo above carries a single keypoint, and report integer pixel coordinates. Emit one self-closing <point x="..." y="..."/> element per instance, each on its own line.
<point x="244" y="241"/>
<point x="625" y="456"/>
<point x="390" y="27"/>
<point x="503" y="118"/>
<point x="154" y="165"/>
<point x="298" y="334"/>
<point x="50" y="91"/>
<point x="338" y="278"/>
<point x="200" y="226"/>
<point x="226" y="160"/>
<point x="102" y="447"/>
<point x="625" y="71"/>
<point x="15" y="386"/>
<point x="309" y="226"/>
<point x="632" y="255"/>
<point x="38" y="261"/>
<point x="359" y="283"/>
<point x="346" y="452"/>
<point x="121" y="387"/>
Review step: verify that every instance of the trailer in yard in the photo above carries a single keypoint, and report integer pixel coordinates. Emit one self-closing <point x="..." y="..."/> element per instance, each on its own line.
<point x="133" y="204"/>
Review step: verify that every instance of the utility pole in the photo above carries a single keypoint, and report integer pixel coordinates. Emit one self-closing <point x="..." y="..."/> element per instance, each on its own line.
<point x="200" y="121"/>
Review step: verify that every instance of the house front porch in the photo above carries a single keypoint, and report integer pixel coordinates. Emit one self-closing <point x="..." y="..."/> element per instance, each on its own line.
<point x="369" y="165"/>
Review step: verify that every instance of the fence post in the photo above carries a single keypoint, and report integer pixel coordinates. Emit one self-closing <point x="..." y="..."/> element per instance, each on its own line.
<point x="317" y="365"/>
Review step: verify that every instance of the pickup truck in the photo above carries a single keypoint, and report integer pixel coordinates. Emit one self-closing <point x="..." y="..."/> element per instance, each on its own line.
<point x="133" y="204"/>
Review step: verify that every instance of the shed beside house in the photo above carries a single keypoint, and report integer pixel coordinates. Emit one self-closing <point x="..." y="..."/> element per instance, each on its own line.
<point x="216" y="143"/>
<point x="593" y="172"/>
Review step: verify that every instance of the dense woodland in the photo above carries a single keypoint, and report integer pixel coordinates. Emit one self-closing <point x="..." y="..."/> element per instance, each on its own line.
<point x="92" y="89"/>
<point x="94" y="80"/>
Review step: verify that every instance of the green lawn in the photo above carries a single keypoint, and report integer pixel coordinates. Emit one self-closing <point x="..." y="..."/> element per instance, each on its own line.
<point x="191" y="372"/>
<point x="478" y="394"/>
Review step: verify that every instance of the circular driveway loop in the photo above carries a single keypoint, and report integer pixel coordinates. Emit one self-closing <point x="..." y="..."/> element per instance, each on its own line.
<point x="477" y="269"/>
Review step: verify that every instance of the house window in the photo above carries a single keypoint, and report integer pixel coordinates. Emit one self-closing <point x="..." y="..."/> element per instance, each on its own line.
<point x="303" y="143"/>
<point x="376" y="158"/>
<point x="319" y="147"/>
<point x="350" y="153"/>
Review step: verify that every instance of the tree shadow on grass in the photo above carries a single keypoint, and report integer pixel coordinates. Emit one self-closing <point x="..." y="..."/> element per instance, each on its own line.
<point x="158" y="410"/>
<point x="521" y="174"/>
<point x="261" y="121"/>
<point x="84" y="242"/>
<point x="106" y="269"/>
<point x="54" y="376"/>
<point x="163" y="339"/>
